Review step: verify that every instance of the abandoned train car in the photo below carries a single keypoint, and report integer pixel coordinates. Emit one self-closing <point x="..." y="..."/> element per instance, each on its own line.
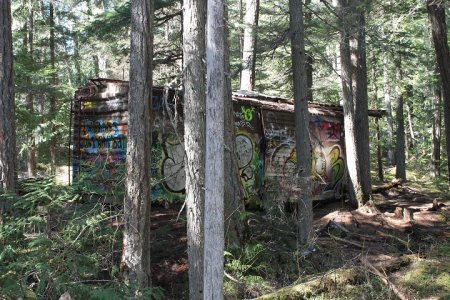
<point x="265" y="142"/>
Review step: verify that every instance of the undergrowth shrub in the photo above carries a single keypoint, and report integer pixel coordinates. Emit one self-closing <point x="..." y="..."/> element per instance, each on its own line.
<point x="52" y="241"/>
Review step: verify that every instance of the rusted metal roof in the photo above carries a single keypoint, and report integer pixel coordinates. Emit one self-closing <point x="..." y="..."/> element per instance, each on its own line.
<point x="116" y="92"/>
<point x="286" y="104"/>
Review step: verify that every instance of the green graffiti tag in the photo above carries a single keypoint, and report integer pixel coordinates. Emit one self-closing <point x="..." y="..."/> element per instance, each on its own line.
<point x="337" y="165"/>
<point x="248" y="113"/>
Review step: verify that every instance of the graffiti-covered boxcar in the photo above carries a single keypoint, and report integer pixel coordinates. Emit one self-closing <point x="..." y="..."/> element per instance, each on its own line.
<point x="265" y="141"/>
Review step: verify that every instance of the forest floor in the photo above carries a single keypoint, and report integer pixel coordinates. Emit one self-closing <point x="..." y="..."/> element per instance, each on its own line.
<point x="396" y="248"/>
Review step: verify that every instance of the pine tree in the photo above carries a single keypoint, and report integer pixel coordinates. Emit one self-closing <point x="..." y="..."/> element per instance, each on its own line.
<point x="8" y="166"/>
<point x="303" y="145"/>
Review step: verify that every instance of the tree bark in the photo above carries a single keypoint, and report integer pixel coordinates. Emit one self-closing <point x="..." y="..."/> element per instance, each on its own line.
<point x="249" y="45"/>
<point x="388" y="104"/>
<point x="355" y="188"/>
<point x="309" y="57"/>
<point x="437" y="125"/>
<point x="400" y="160"/>
<point x="360" y="96"/>
<point x="136" y="235"/>
<point x="234" y="194"/>
<point x="54" y="82"/>
<point x="301" y="115"/>
<point x="377" y="123"/>
<point x="8" y="162"/>
<point x="214" y="164"/>
<point x="29" y="45"/>
<point x="194" y="73"/>
<point x="410" y="130"/>
<point x="436" y="15"/>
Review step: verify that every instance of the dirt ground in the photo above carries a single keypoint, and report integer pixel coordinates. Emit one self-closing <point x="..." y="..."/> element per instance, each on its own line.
<point x="402" y="223"/>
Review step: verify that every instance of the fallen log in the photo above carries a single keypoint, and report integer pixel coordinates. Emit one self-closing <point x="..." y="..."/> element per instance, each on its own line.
<point x="331" y="281"/>
<point x="393" y="237"/>
<point x="326" y="283"/>
<point x="395" y="182"/>
<point x="383" y="278"/>
<point x="345" y="241"/>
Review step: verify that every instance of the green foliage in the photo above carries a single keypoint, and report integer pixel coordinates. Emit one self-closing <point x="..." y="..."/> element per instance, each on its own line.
<point x="110" y="24"/>
<point x="249" y="266"/>
<point x="50" y="243"/>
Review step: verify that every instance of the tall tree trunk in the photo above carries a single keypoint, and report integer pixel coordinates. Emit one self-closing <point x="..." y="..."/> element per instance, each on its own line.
<point x="29" y="44"/>
<point x="194" y="73"/>
<point x="234" y="194"/>
<point x="249" y="46"/>
<point x="437" y="124"/>
<point x="436" y="15"/>
<point x="400" y="160"/>
<point x="360" y="97"/>
<point x="303" y="145"/>
<point x="76" y="39"/>
<point x="240" y="30"/>
<point x="388" y="104"/>
<point x="52" y="111"/>
<point x="410" y="130"/>
<point x="136" y="235"/>
<point x="8" y="162"/>
<point x="377" y="123"/>
<point x="355" y="188"/>
<point x="102" y="64"/>
<point x="309" y="57"/>
<point x="214" y="164"/>
<point x="379" y="156"/>
<point x="309" y="77"/>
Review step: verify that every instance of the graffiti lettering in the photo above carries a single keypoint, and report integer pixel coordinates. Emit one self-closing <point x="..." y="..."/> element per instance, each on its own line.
<point x="333" y="130"/>
<point x="337" y="166"/>
<point x="248" y="113"/>
<point x="240" y="121"/>
<point x="244" y="149"/>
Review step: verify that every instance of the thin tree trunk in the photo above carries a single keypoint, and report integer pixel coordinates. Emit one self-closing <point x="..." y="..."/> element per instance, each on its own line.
<point x="436" y="15"/>
<point x="78" y="80"/>
<point x="309" y="57"/>
<point x="194" y="73"/>
<point x="388" y="104"/>
<point x="354" y="188"/>
<point x="52" y="110"/>
<point x="309" y="77"/>
<point x="379" y="156"/>
<point x="214" y="164"/>
<point x="377" y="123"/>
<point x="249" y="46"/>
<point x="29" y="45"/>
<point x="412" y="137"/>
<point x="102" y="64"/>
<point x="8" y="162"/>
<point x="136" y="235"/>
<point x="360" y="97"/>
<point x="240" y="30"/>
<point x="400" y="160"/>
<point x="234" y="194"/>
<point x="301" y="115"/>
<point x="437" y="124"/>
